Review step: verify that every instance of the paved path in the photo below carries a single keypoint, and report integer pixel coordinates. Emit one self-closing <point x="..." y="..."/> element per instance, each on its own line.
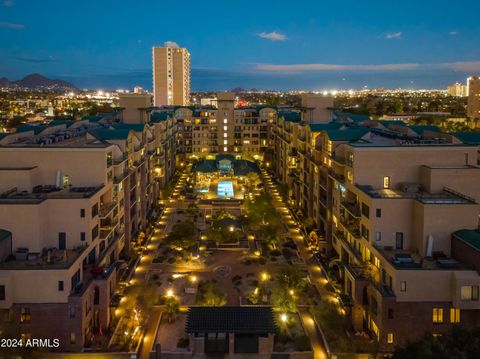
<point x="316" y="275"/>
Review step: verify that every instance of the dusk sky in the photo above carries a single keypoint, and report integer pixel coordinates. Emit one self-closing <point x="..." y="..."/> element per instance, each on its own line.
<point x="283" y="45"/>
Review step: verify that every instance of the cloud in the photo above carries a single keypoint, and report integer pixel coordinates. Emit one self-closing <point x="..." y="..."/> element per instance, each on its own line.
<point x="8" y="3"/>
<point x="453" y="33"/>
<point x="460" y="66"/>
<point x="394" y="35"/>
<point x="12" y="26"/>
<point x="36" y="60"/>
<point x="296" y="68"/>
<point x="273" y="36"/>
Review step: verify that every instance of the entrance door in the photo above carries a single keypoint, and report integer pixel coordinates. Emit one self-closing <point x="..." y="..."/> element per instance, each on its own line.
<point x="216" y="343"/>
<point x="246" y="343"/>
<point x="62" y="240"/>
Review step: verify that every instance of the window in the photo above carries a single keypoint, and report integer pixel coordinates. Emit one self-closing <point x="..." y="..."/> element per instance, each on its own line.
<point x="378" y="212"/>
<point x="82" y="236"/>
<point x="390" y="313"/>
<point x="72" y="338"/>
<point x="378" y="236"/>
<point x="82" y="212"/>
<point x="94" y="210"/>
<point x="365" y="232"/>
<point x="454" y="315"/>
<point x="60" y="285"/>
<point x="403" y="286"/>
<point x="437" y="315"/>
<point x="71" y="311"/>
<point x="390" y="338"/>
<point x="95" y="232"/>
<point x="469" y="292"/>
<point x="399" y="240"/>
<point x="25" y="315"/>
<point x="365" y="210"/>
<point x="386" y="182"/>
<point x="2" y="292"/>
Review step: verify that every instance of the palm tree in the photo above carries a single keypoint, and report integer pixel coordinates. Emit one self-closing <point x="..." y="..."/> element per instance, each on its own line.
<point x="171" y="309"/>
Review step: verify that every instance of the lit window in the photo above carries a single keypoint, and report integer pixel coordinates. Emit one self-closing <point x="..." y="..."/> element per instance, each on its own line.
<point x="376" y="262"/>
<point x="225" y="149"/>
<point x="403" y="286"/>
<point x="454" y="315"/>
<point x="225" y="142"/>
<point x="386" y="182"/>
<point x="469" y="292"/>
<point x="225" y="135"/>
<point x="437" y="315"/>
<point x="225" y="128"/>
<point x="390" y="338"/>
<point x="225" y="120"/>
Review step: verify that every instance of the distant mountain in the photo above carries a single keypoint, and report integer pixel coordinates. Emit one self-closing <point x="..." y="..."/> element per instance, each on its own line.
<point x="37" y="81"/>
<point x="238" y="90"/>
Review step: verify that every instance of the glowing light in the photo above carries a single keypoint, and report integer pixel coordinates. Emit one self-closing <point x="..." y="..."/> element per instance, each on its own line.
<point x="291" y="292"/>
<point x="193" y="278"/>
<point x="170" y="293"/>
<point x="255" y="291"/>
<point x="264" y="276"/>
<point x="283" y="318"/>
<point x="231" y="229"/>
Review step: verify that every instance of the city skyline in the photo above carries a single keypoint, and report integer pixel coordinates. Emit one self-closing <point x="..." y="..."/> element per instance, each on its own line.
<point x="348" y="45"/>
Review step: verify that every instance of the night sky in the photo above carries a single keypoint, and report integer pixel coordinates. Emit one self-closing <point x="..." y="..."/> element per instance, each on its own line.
<point x="312" y="45"/>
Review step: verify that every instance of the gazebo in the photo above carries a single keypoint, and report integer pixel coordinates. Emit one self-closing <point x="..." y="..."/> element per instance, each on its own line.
<point x="233" y="330"/>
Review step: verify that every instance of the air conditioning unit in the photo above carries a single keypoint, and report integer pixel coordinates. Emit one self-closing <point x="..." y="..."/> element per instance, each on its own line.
<point x="410" y="187"/>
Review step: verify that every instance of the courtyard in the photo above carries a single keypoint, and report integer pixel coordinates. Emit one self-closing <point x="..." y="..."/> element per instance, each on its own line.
<point x="230" y="253"/>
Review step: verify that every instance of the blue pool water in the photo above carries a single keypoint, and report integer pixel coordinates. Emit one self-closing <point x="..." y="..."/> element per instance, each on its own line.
<point x="225" y="189"/>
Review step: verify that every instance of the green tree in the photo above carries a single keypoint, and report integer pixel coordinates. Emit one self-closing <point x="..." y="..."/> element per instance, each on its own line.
<point x="211" y="295"/>
<point x="459" y="343"/>
<point x="183" y="235"/>
<point x="171" y="308"/>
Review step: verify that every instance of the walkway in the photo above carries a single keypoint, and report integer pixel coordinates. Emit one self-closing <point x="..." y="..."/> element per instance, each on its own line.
<point x="314" y="271"/>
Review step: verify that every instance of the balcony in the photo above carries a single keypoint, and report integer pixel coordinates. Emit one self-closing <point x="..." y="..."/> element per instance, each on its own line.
<point x="106" y="209"/>
<point x="352" y="208"/>
<point x="351" y="225"/>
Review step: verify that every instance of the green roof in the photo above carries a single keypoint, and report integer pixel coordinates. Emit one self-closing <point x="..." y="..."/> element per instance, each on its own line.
<point x="35" y="128"/>
<point x="351" y="116"/>
<point x="248" y="320"/>
<point x="386" y="123"/>
<point x="468" y="138"/>
<point x="420" y="129"/>
<point x="159" y="116"/>
<point x="319" y="127"/>
<point x="290" y="116"/>
<point x="109" y="134"/>
<point x="244" y="167"/>
<point x="346" y="135"/>
<point x="469" y="236"/>
<point x="205" y="166"/>
<point x="92" y="118"/>
<point x="137" y="127"/>
<point x="225" y="156"/>
<point x="68" y="123"/>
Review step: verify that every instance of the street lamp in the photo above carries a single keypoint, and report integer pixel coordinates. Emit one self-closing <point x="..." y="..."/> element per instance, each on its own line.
<point x="283" y="318"/>
<point x="169" y="293"/>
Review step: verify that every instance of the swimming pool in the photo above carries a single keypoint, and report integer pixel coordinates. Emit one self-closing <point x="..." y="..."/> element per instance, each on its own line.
<point x="225" y="189"/>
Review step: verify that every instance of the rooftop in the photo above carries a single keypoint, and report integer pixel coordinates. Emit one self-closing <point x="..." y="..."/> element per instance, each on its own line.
<point x="254" y="320"/>
<point x="445" y="197"/>
<point x="41" y="193"/>
<point x="110" y="134"/>
<point x="470" y="237"/>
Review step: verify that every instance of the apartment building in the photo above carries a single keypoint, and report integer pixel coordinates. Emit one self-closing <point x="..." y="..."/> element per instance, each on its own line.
<point x="473" y="93"/>
<point x="382" y="196"/>
<point x="171" y="75"/>
<point x="205" y="130"/>
<point x="73" y="196"/>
